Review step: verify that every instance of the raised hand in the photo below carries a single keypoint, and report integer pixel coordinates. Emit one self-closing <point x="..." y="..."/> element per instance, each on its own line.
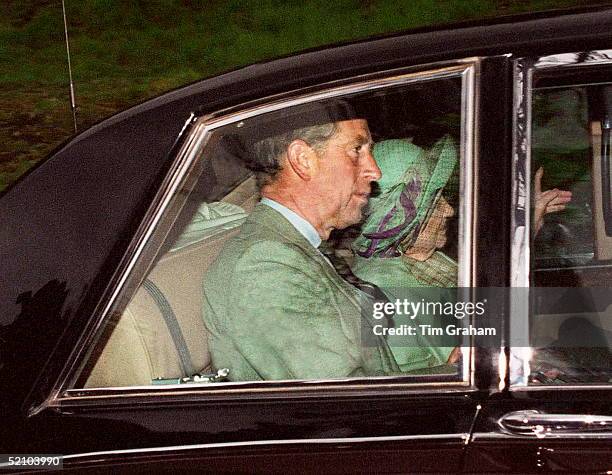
<point x="549" y="201"/>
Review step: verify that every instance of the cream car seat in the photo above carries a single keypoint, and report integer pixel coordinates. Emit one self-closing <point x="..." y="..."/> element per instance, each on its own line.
<point x="161" y="335"/>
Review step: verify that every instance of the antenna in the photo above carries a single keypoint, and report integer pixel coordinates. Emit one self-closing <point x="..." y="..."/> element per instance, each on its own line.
<point x="73" y="106"/>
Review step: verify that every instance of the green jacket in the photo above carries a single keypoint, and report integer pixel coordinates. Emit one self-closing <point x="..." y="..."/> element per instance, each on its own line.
<point x="276" y="309"/>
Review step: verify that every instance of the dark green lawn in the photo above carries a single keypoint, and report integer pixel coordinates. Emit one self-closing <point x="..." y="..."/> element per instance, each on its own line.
<point x="126" y="51"/>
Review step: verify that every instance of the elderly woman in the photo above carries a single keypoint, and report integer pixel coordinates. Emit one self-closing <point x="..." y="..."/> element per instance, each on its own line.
<point x="398" y="246"/>
<point x="406" y="223"/>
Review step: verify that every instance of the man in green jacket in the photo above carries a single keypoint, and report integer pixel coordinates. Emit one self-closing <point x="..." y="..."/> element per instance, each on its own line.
<point x="274" y="306"/>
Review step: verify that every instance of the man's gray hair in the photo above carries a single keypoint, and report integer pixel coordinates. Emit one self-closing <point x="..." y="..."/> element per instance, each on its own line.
<point x="269" y="151"/>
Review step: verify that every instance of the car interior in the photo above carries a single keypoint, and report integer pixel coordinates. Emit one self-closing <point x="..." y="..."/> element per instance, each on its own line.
<point x="571" y="323"/>
<point x="160" y="337"/>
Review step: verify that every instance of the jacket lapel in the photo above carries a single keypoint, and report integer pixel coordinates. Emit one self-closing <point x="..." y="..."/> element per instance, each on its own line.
<point x="279" y="225"/>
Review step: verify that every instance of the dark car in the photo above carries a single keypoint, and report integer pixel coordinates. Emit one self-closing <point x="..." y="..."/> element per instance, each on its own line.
<point x="105" y="246"/>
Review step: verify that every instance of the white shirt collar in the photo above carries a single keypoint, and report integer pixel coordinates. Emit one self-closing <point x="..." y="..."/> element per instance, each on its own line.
<point x="304" y="227"/>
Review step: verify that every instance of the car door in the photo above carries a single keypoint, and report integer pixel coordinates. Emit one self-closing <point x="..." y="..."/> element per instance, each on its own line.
<point x="556" y="412"/>
<point x="140" y="387"/>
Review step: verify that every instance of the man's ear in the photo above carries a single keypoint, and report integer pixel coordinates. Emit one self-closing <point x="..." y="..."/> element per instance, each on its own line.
<point x="301" y="158"/>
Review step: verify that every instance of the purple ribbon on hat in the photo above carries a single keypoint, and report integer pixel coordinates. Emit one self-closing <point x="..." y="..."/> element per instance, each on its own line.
<point x="407" y="199"/>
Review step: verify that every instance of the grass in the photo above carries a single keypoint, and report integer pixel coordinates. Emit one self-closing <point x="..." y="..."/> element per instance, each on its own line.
<point x="126" y="51"/>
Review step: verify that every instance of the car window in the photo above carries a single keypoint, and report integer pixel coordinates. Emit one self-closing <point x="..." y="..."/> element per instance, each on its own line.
<point x="247" y="285"/>
<point x="561" y="146"/>
<point x="571" y="258"/>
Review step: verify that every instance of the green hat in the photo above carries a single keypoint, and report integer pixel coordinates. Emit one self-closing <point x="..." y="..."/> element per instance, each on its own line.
<point x="412" y="181"/>
<point x="393" y="157"/>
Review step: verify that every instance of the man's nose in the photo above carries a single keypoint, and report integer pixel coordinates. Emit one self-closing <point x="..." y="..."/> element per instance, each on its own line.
<point x="371" y="168"/>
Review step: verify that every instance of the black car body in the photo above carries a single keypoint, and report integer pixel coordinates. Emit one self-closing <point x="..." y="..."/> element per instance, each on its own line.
<point x="73" y="228"/>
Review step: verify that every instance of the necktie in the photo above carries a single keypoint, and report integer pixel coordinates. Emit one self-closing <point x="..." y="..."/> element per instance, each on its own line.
<point x="344" y="271"/>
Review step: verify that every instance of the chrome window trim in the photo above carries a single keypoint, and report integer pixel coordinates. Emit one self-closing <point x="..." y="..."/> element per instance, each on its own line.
<point x="520" y="273"/>
<point x="466" y="253"/>
<point x="301" y="390"/>
<point x="468" y="163"/>
<point x="562" y="387"/>
<point x="517" y="361"/>
<point x="487" y="436"/>
<point x="580" y="58"/>
<point x="186" y="160"/>
<point x="573" y="268"/>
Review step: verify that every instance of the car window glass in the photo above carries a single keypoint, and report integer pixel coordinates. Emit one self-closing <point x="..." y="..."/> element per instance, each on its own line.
<point x="571" y="257"/>
<point x="246" y="291"/>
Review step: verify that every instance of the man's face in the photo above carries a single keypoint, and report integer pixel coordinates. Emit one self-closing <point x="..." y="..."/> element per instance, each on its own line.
<point x="345" y="171"/>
